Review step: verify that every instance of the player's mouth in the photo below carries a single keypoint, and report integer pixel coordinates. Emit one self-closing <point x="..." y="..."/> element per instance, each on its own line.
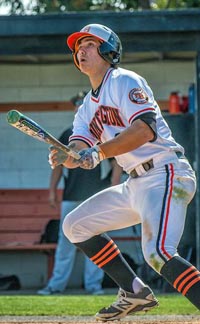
<point x="82" y="59"/>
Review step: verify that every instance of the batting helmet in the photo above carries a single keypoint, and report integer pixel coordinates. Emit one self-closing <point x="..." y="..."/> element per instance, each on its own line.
<point x="110" y="49"/>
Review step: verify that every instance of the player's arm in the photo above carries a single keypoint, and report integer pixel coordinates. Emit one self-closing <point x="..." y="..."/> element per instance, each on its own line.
<point x="128" y="140"/>
<point x="141" y="131"/>
<point x="56" y="175"/>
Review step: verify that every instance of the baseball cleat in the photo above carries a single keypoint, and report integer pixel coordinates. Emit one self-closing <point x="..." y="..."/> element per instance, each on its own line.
<point x="128" y="303"/>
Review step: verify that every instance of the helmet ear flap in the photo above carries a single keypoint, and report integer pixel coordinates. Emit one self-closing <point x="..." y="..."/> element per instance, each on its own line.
<point x="109" y="54"/>
<point x="116" y="58"/>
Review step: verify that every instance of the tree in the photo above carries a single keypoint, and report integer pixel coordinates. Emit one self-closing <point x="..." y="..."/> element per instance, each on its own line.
<point x="47" y="6"/>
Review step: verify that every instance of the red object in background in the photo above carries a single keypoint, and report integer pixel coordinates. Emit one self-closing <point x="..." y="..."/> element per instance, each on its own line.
<point x="174" y="103"/>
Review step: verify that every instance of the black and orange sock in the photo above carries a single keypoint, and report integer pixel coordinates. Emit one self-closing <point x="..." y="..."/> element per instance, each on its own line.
<point x="105" y="254"/>
<point x="184" y="277"/>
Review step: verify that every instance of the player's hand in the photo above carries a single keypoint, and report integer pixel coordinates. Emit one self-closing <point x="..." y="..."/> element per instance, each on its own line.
<point x="57" y="157"/>
<point x="53" y="201"/>
<point x="90" y="157"/>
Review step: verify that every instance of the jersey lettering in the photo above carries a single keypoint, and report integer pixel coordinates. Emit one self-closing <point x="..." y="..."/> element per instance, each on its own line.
<point x="107" y="116"/>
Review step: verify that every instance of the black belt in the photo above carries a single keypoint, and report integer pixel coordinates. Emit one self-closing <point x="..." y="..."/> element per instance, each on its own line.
<point x="147" y="166"/>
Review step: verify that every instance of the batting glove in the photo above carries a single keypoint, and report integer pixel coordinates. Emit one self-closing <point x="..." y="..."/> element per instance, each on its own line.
<point x="56" y="156"/>
<point x="90" y="157"/>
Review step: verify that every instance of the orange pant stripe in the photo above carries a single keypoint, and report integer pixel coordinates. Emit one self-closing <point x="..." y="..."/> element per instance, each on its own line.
<point x="109" y="259"/>
<point x="113" y="248"/>
<point x="176" y="282"/>
<point x="102" y="250"/>
<point x="184" y="282"/>
<point x="190" y="285"/>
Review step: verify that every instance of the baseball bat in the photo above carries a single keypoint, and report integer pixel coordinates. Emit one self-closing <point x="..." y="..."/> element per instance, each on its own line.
<point x="31" y="128"/>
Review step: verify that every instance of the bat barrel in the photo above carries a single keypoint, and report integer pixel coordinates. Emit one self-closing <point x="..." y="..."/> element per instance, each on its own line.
<point x="31" y="128"/>
<point x="13" y="116"/>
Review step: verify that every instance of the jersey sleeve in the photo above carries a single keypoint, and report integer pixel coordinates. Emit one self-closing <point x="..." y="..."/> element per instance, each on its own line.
<point x="81" y="130"/>
<point x="136" y="97"/>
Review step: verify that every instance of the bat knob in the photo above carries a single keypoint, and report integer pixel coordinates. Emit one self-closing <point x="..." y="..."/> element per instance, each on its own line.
<point x="13" y="116"/>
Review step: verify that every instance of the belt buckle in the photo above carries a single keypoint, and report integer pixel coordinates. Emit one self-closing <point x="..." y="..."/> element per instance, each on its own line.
<point x="134" y="174"/>
<point x="146" y="166"/>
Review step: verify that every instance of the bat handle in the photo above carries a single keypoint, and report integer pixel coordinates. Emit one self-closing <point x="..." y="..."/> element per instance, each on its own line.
<point x="66" y="149"/>
<point x="74" y="154"/>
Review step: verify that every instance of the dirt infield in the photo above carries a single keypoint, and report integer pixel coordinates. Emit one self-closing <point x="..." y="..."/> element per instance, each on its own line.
<point x="152" y="319"/>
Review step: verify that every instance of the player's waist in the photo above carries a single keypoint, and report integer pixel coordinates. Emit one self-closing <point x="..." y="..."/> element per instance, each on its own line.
<point x="143" y="168"/>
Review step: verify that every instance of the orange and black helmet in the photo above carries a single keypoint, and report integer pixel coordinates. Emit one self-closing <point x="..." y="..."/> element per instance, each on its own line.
<point x="110" y="48"/>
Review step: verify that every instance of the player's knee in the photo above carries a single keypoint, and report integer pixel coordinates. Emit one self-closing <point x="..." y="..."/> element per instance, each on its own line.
<point x="157" y="258"/>
<point x="67" y="228"/>
<point x="153" y="259"/>
<point x="75" y="228"/>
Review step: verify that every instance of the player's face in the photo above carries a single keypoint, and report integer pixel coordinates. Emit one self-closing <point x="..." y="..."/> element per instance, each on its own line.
<point x="89" y="59"/>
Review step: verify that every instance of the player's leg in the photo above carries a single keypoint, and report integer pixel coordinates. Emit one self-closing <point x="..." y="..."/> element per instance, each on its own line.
<point x="161" y="238"/>
<point x="184" y="277"/>
<point x="64" y="257"/>
<point x="106" y="211"/>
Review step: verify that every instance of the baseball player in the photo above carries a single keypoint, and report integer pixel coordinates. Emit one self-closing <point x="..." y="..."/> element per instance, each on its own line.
<point x="120" y="118"/>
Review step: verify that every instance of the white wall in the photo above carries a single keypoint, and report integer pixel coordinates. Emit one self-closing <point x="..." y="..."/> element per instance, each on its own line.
<point x="31" y="268"/>
<point x="166" y="76"/>
<point x="35" y="83"/>
<point x="23" y="160"/>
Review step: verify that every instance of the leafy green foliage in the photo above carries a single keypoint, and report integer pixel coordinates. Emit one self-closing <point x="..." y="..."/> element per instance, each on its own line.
<point x="175" y="4"/>
<point x="48" y="6"/>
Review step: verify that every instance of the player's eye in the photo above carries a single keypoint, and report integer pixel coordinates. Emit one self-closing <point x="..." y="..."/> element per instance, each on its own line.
<point x="91" y="44"/>
<point x="86" y="45"/>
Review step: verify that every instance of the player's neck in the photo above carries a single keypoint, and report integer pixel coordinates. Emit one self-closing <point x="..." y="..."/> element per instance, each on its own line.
<point x="97" y="78"/>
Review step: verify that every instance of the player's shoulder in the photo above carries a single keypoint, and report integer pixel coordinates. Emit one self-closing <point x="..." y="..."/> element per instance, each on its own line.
<point x="125" y="74"/>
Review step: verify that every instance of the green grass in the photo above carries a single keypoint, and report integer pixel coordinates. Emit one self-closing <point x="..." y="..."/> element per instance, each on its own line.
<point x="84" y="305"/>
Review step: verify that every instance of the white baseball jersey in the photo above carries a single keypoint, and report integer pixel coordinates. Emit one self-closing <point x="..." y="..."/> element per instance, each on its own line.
<point x="157" y="198"/>
<point x="122" y="97"/>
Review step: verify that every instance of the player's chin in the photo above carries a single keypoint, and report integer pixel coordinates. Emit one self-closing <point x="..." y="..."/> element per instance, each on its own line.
<point x="84" y="67"/>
